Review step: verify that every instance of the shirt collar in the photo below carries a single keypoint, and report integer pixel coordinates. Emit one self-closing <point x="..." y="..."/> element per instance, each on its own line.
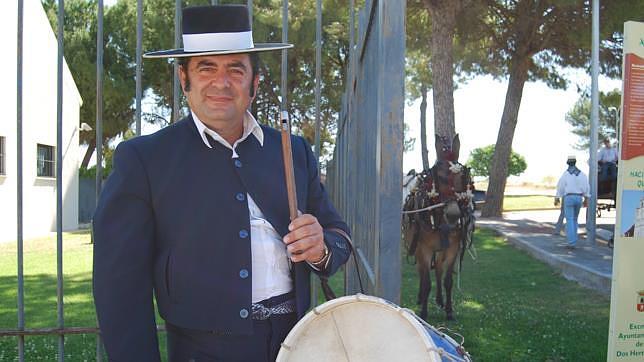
<point x="251" y="126"/>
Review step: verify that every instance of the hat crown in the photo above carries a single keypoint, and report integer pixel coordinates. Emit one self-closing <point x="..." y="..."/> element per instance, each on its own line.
<point x="215" y="19"/>
<point x="216" y="30"/>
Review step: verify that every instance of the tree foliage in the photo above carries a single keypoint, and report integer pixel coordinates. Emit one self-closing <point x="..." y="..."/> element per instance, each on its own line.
<point x="157" y="78"/>
<point x="579" y="117"/>
<point x="481" y="159"/>
<point x="532" y="40"/>
<point x="80" y="31"/>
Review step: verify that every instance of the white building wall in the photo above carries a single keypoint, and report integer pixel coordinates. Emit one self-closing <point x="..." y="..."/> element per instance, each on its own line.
<point x="38" y="124"/>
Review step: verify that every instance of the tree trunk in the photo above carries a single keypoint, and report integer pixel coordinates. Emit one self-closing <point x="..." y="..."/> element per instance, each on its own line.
<point x="88" y="154"/>
<point x="443" y="15"/>
<point x="423" y="126"/>
<point x="499" y="167"/>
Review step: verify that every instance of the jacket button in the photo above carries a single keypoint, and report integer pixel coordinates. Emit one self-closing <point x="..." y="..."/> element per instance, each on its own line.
<point x="238" y="163"/>
<point x="240" y="197"/>
<point x="243" y="234"/>
<point x="243" y="273"/>
<point x="243" y="313"/>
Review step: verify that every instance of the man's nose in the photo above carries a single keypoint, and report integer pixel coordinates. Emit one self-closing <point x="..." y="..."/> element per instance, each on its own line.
<point x="220" y="80"/>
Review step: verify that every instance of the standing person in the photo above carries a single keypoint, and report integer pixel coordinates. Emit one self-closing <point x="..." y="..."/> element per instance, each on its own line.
<point x="607" y="159"/>
<point x="573" y="188"/>
<point x="197" y="214"/>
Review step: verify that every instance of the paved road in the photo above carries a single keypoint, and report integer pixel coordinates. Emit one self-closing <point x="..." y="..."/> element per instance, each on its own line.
<point x="590" y="264"/>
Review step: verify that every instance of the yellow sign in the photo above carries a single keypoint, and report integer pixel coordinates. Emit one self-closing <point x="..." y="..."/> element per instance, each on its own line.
<point x="626" y="336"/>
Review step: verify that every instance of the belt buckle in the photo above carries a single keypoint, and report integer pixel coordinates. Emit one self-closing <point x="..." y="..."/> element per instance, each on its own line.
<point x="260" y="312"/>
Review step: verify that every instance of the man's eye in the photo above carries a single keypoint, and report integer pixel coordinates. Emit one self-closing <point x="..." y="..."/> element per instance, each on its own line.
<point x="236" y="71"/>
<point x="207" y="69"/>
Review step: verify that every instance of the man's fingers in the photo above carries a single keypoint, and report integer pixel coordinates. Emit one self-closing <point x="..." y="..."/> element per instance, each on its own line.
<point x="302" y="220"/>
<point x="305" y="249"/>
<point x="303" y="232"/>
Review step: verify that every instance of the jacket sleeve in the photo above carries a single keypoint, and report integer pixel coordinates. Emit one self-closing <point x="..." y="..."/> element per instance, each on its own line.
<point x="319" y="205"/>
<point x="123" y="227"/>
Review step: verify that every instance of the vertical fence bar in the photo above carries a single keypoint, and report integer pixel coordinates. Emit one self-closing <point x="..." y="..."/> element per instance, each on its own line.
<point x="249" y="4"/>
<point x="59" y="183"/>
<point x="99" y="100"/>
<point x="99" y="128"/>
<point x="21" y="281"/>
<point x="342" y="129"/>
<point x="284" y="54"/>
<point x="139" y="52"/>
<point x="214" y="2"/>
<point x="318" y="72"/>
<point x="594" y="122"/>
<point x="176" y="103"/>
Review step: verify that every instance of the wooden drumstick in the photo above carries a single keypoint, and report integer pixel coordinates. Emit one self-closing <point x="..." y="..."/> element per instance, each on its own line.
<point x="288" y="165"/>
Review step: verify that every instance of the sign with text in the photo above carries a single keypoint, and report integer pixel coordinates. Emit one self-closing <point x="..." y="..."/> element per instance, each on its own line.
<point x="626" y="335"/>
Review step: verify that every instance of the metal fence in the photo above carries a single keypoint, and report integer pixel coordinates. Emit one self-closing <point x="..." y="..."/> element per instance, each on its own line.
<point x="365" y="176"/>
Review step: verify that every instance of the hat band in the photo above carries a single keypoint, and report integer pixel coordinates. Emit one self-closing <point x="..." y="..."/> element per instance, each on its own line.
<point x="217" y="41"/>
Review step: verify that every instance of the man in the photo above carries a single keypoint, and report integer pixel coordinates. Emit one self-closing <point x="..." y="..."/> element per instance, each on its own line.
<point x="197" y="214"/>
<point x="607" y="160"/>
<point x="573" y="188"/>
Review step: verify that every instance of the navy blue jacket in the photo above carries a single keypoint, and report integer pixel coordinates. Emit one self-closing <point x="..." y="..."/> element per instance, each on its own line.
<point x="171" y="220"/>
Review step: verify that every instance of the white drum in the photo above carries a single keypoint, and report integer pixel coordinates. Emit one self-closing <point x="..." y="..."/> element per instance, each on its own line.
<point x="365" y="328"/>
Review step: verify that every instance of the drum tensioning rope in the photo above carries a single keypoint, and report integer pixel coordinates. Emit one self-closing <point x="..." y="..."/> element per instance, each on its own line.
<point x="440" y="330"/>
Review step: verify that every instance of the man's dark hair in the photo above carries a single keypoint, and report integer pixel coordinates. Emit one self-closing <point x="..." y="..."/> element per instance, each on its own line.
<point x="254" y="64"/>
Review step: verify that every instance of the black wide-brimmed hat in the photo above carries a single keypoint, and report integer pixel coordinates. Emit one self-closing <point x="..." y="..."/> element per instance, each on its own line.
<point x="213" y="30"/>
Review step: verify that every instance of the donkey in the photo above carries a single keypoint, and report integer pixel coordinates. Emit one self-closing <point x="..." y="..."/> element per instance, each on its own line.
<point x="436" y="237"/>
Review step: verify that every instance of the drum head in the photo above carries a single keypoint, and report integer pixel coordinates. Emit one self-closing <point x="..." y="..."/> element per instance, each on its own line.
<point x="358" y="328"/>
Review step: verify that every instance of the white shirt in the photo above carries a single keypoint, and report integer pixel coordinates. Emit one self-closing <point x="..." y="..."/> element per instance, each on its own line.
<point x="270" y="265"/>
<point x="608" y="154"/>
<point x="571" y="184"/>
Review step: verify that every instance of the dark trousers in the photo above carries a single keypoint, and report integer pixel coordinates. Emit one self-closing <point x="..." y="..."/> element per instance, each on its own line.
<point x="186" y="345"/>
<point x="607" y="171"/>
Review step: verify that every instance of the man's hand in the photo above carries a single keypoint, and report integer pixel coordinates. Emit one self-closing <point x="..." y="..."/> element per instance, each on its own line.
<point x="305" y="241"/>
<point x="585" y="202"/>
<point x="556" y="201"/>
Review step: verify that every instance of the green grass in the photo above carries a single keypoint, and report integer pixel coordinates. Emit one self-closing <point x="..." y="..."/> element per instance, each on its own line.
<point x="527" y="202"/>
<point x="510" y="307"/>
<point x="514" y="308"/>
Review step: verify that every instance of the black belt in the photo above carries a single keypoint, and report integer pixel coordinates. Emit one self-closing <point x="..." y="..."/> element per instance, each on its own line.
<point x="575" y="194"/>
<point x="281" y="304"/>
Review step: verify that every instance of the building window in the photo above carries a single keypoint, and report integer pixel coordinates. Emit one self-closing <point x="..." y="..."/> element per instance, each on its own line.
<point x="2" y="156"/>
<point x="46" y="162"/>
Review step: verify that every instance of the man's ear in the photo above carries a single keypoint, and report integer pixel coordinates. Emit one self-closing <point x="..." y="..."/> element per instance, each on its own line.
<point x="182" y="78"/>
<point x="254" y="88"/>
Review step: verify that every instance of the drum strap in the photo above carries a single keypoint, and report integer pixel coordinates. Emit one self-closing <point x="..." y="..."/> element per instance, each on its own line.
<point x="326" y="289"/>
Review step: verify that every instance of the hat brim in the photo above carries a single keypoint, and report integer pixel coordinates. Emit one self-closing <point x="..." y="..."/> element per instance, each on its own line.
<point x="180" y="53"/>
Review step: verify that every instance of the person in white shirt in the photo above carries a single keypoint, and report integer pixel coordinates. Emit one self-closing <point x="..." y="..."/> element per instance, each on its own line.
<point x="573" y="188"/>
<point x="607" y="159"/>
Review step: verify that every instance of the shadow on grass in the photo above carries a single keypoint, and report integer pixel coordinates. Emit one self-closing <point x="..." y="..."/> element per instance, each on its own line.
<point x="40" y="301"/>
<point x="41" y="312"/>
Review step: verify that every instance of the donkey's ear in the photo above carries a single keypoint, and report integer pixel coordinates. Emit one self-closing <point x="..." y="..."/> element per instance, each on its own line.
<point x="456" y="147"/>
<point x="438" y="144"/>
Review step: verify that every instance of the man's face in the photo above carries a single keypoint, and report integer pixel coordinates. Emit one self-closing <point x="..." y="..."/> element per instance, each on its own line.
<point x="607" y="143"/>
<point x="219" y="87"/>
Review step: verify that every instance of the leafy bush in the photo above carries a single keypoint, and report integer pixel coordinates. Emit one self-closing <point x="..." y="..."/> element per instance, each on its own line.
<point x="480" y="162"/>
